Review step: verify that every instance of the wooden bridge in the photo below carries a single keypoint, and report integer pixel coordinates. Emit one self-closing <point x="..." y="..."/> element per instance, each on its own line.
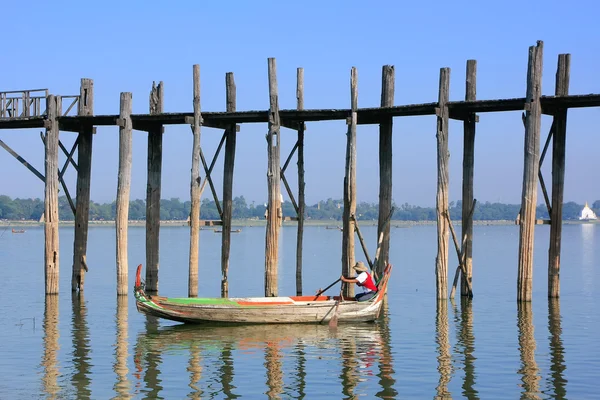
<point x="39" y="109"/>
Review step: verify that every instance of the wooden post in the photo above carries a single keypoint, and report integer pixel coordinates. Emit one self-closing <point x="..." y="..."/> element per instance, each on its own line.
<point x="274" y="214"/>
<point x="51" y="259"/>
<point x="385" y="167"/>
<point x="558" y="176"/>
<point x="84" y="173"/>
<point x="195" y="191"/>
<point x="301" y="183"/>
<point x="123" y="191"/>
<point x="153" y="190"/>
<point x="348" y="254"/>
<point x="467" y="183"/>
<point x="228" y="185"/>
<point x="533" y="119"/>
<point x="441" y="261"/>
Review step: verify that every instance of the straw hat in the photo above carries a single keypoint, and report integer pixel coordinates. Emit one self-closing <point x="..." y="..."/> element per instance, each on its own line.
<point x="360" y="267"/>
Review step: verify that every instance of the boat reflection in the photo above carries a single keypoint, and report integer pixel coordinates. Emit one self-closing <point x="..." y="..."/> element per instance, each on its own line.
<point x="215" y="351"/>
<point x="529" y="370"/>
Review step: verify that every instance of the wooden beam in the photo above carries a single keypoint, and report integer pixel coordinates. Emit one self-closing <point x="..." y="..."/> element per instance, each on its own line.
<point x="533" y="117"/>
<point x="466" y="281"/>
<point x="301" y="183"/>
<point x="195" y="192"/>
<point x="385" y="167"/>
<point x="212" y="165"/>
<point x="61" y="173"/>
<point x="540" y="176"/>
<point x="51" y="248"/>
<point x="82" y="197"/>
<point x="348" y="224"/>
<point x="153" y="190"/>
<point x="228" y="185"/>
<point x="558" y="176"/>
<point x="274" y="213"/>
<point x="22" y="161"/>
<point x="441" y="261"/>
<point x="123" y="192"/>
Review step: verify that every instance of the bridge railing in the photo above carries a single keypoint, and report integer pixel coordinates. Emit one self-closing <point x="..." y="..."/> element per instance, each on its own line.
<point x="32" y="103"/>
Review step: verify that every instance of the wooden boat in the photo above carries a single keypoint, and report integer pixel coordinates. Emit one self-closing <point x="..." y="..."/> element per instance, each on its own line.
<point x="18" y="230"/>
<point x="260" y="310"/>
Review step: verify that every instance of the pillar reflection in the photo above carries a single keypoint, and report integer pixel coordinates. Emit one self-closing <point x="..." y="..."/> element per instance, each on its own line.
<point x="81" y="378"/>
<point x="556" y="381"/>
<point x="529" y="369"/>
<point x="122" y="385"/>
<point x="51" y="347"/>
<point x="443" y="349"/>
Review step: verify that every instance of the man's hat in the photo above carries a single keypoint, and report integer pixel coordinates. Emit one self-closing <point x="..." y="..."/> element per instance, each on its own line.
<point x="360" y="267"/>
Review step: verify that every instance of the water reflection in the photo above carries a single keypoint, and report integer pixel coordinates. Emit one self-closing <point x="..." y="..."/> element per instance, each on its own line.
<point x="465" y="345"/>
<point x="81" y="347"/>
<point x="122" y="385"/>
<point x="386" y="361"/>
<point x="588" y="246"/>
<point x="195" y="370"/>
<point x="529" y="369"/>
<point x="147" y="362"/>
<point x="556" y="383"/>
<point x="51" y="347"/>
<point x="443" y="349"/>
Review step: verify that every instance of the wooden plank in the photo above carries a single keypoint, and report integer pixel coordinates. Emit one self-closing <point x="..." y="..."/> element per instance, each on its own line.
<point x="123" y="192"/>
<point x="466" y="281"/>
<point x="301" y="183"/>
<point x="82" y="197"/>
<point x="348" y="224"/>
<point x="274" y="212"/>
<point x="533" y="117"/>
<point x="558" y="176"/>
<point x="228" y="185"/>
<point x="51" y="245"/>
<point x="195" y="192"/>
<point x="153" y="190"/>
<point x="385" y="168"/>
<point x="441" y="261"/>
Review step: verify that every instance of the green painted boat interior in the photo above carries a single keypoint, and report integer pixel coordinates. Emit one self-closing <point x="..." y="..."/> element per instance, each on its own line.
<point x="208" y="301"/>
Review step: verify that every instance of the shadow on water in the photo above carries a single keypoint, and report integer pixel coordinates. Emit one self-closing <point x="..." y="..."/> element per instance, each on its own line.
<point x="122" y="385"/>
<point x="442" y="341"/>
<point x="81" y="347"/>
<point x="464" y="349"/>
<point x="529" y="369"/>
<point x="51" y="347"/>
<point x="556" y="383"/>
<point x="363" y="348"/>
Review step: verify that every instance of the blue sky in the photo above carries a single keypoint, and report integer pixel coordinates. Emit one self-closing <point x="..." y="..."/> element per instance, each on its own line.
<point x="126" y="45"/>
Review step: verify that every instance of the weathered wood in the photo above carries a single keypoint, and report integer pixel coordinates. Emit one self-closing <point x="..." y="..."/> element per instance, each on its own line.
<point x="362" y="241"/>
<point x="153" y="190"/>
<point x="82" y="197"/>
<point x="466" y="281"/>
<point x="123" y="193"/>
<point x="195" y="191"/>
<point x="533" y="116"/>
<point x="301" y="183"/>
<point x="441" y="261"/>
<point x="462" y="251"/>
<point x="22" y="161"/>
<point x="228" y="186"/>
<point x="64" y="168"/>
<point x="459" y="254"/>
<point x="348" y="224"/>
<point x="385" y="166"/>
<point x="51" y="248"/>
<point x="274" y="212"/>
<point x="540" y="177"/>
<point x="558" y="176"/>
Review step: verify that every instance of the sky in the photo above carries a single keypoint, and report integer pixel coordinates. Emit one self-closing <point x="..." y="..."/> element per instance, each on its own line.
<point x="124" y="46"/>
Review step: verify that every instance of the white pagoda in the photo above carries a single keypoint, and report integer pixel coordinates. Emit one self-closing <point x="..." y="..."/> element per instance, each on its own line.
<point x="587" y="213"/>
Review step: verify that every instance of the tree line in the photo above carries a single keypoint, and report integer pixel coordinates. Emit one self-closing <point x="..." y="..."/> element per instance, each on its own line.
<point x="330" y="209"/>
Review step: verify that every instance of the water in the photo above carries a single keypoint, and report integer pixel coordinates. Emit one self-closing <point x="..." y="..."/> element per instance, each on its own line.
<point x="97" y="346"/>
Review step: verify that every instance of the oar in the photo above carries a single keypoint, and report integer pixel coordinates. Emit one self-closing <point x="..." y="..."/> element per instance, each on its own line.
<point x="334" y="319"/>
<point x="323" y="290"/>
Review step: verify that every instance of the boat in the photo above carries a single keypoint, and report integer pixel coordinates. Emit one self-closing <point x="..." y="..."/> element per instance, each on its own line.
<point x="232" y="231"/>
<point x="18" y="230"/>
<point x="587" y="214"/>
<point x="261" y="310"/>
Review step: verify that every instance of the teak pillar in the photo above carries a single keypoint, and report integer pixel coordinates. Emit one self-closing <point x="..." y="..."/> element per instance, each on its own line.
<point x="441" y="261"/>
<point x="274" y="214"/>
<point x="385" y="167"/>
<point x="467" y="183"/>
<point x="350" y="187"/>
<point x="153" y="190"/>
<point x="195" y="189"/>
<point x="84" y="172"/>
<point x="301" y="183"/>
<point x="229" y="162"/>
<point x="51" y="260"/>
<point x="533" y="119"/>
<point x="123" y="192"/>
<point x="558" y="175"/>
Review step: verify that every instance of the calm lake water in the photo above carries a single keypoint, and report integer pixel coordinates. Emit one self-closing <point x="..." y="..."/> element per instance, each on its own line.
<point x="96" y="346"/>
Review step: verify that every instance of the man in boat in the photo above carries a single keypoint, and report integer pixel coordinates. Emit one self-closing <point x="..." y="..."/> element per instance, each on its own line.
<point x="364" y="280"/>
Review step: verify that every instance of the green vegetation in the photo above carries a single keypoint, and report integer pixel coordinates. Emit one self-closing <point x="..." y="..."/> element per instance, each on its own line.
<point x="174" y="209"/>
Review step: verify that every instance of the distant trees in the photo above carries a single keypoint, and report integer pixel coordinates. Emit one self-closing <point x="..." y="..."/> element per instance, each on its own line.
<point x="330" y="209"/>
